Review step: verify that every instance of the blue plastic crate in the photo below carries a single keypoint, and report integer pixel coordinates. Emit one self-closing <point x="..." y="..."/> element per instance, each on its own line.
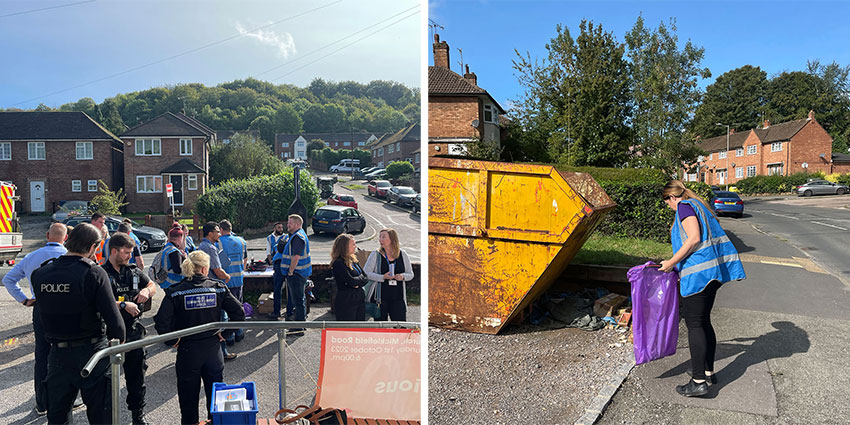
<point x="240" y="417"/>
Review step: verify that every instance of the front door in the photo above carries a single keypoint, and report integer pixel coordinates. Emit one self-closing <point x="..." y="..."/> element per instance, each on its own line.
<point x="36" y="196"/>
<point x="177" y="186"/>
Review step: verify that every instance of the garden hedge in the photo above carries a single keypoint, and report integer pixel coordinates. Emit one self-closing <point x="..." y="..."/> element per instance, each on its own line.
<point x="254" y="202"/>
<point x="774" y="184"/>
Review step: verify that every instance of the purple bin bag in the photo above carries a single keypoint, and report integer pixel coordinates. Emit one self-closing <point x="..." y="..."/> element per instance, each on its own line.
<point x="248" y="308"/>
<point x="655" y="312"/>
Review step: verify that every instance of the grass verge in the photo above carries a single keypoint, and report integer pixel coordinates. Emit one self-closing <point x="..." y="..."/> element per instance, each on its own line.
<point x="354" y="186"/>
<point x="614" y="251"/>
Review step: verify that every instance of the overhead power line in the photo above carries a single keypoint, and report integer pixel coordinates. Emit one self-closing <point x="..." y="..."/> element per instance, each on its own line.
<point x="45" y="8"/>
<point x="347" y="45"/>
<point x="87" y="83"/>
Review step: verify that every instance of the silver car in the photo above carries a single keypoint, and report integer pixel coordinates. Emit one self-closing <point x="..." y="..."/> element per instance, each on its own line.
<point x="821" y="187"/>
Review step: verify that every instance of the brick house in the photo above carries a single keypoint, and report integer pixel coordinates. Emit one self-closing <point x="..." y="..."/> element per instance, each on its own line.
<point x="785" y="148"/>
<point x="295" y="145"/>
<point x="171" y="148"/>
<point x="57" y="156"/>
<point x="403" y="145"/>
<point x="224" y="136"/>
<point x="459" y="111"/>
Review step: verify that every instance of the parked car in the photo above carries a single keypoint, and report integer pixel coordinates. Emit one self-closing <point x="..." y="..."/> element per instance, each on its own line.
<point x="380" y="173"/>
<point x="344" y="200"/>
<point x="417" y="203"/>
<point x="727" y="203"/>
<point x="151" y="237"/>
<point x="821" y="187"/>
<point x="366" y="170"/>
<point x="338" y="219"/>
<point x="70" y="208"/>
<point x="378" y="188"/>
<point x="715" y="188"/>
<point x="401" y="195"/>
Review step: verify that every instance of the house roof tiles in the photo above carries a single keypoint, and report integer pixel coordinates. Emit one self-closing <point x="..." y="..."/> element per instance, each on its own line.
<point x="444" y="81"/>
<point x="327" y="137"/>
<point x="183" y="166"/>
<point x="170" y="124"/>
<point x="412" y="133"/>
<point x="51" y="126"/>
<point x="774" y="133"/>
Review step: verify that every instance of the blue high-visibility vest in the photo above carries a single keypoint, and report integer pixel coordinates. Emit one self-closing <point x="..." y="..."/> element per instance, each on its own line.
<point x="234" y="247"/>
<point x="715" y="258"/>
<point x="172" y="278"/>
<point x="304" y="267"/>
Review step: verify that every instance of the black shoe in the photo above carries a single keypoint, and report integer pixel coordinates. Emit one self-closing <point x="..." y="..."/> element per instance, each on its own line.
<point x="710" y="379"/>
<point x="692" y="389"/>
<point x="229" y="356"/>
<point x="139" y="417"/>
<point x="40" y="411"/>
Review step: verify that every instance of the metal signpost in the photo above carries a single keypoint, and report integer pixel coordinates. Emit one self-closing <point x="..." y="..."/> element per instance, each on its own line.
<point x="169" y="192"/>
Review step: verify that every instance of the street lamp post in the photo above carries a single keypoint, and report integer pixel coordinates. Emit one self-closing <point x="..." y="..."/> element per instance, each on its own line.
<point x="726" y="177"/>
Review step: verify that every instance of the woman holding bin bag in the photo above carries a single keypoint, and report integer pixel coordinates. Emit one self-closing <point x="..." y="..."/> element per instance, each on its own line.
<point x="391" y="267"/>
<point x="350" y="303"/>
<point x="705" y="259"/>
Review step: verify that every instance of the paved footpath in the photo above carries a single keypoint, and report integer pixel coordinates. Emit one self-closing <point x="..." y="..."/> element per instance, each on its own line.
<point x="783" y="339"/>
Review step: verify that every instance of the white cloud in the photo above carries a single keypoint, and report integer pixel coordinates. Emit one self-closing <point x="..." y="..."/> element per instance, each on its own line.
<point x="284" y="43"/>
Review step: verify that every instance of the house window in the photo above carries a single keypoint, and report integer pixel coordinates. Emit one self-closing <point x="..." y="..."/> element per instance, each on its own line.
<point x="361" y="143"/>
<point x="148" y="147"/>
<point x="776" y="147"/>
<point x="300" y="144"/>
<point x="416" y="157"/>
<point x="6" y="151"/>
<point x="92" y="186"/>
<point x="774" y="169"/>
<point x="710" y="156"/>
<point x="721" y="155"/>
<point x="284" y="145"/>
<point x="751" y="171"/>
<point x="398" y="146"/>
<point x="35" y="150"/>
<point x="148" y="184"/>
<point x="739" y="152"/>
<point x="751" y="150"/>
<point x="192" y="181"/>
<point x="739" y="173"/>
<point x="286" y="154"/>
<point x="85" y="150"/>
<point x="391" y="148"/>
<point x="346" y="143"/>
<point x="185" y="146"/>
<point x="490" y="113"/>
<point x="381" y="151"/>
<point x="76" y="185"/>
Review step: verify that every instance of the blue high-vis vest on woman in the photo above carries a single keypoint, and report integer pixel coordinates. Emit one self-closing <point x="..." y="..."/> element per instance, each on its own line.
<point x="172" y="278"/>
<point x="234" y="247"/>
<point x="304" y="267"/>
<point x="715" y="258"/>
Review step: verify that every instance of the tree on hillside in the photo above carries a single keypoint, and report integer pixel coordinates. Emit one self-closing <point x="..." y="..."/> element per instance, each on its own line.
<point x="243" y="157"/>
<point x="577" y="98"/>
<point x="737" y="97"/>
<point x="664" y="93"/>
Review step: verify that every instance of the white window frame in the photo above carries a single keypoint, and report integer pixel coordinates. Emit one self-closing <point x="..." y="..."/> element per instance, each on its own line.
<point x="739" y="152"/>
<point x="739" y="172"/>
<point x="284" y="144"/>
<point x="776" y="147"/>
<point x="390" y="148"/>
<point x="76" y="185"/>
<point x="361" y="143"/>
<point x="154" y="143"/>
<point x="184" y="152"/>
<point x="751" y="171"/>
<point x="381" y="151"/>
<point x="346" y="143"/>
<point x="91" y="185"/>
<point x="192" y="181"/>
<point x="286" y="154"/>
<point x="34" y="148"/>
<point x="752" y="150"/>
<point x="88" y="150"/>
<point x="711" y="156"/>
<point x="144" y="180"/>
<point x="5" y="147"/>
<point x="721" y="155"/>
<point x="492" y="112"/>
<point x="300" y="144"/>
<point x="416" y="158"/>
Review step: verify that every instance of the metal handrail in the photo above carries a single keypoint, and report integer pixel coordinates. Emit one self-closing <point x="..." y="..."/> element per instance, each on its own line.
<point x="116" y="352"/>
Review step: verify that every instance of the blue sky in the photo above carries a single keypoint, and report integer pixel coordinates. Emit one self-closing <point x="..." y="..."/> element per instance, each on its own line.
<point x="773" y="35"/>
<point x="73" y="42"/>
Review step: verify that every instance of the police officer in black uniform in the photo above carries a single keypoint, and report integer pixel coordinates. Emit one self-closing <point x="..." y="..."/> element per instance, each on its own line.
<point x="133" y="291"/>
<point x="196" y="300"/>
<point x="75" y="301"/>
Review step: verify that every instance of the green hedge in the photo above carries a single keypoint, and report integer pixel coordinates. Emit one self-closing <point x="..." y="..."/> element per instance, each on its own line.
<point x="254" y="202"/>
<point x="774" y="184"/>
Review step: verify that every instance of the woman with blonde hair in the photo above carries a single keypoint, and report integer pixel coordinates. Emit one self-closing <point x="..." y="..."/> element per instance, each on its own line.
<point x="196" y="300"/>
<point x="705" y="258"/>
<point x="350" y="303"/>
<point x="390" y="266"/>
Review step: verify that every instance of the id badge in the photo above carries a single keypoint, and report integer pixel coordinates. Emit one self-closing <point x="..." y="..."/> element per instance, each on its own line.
<point x="393" y="282"/>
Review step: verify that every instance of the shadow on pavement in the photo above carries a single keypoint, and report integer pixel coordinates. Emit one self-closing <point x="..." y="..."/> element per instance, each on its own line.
<point x="786" y="340"/>
<point x="739" y="244"/>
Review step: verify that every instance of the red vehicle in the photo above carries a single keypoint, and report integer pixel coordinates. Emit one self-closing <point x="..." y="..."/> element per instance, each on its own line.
<point x="379" y="188"/>
<point x="345" y="200"/>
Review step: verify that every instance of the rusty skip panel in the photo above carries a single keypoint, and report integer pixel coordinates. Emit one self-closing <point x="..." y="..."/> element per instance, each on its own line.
<point x="499" y="235"/>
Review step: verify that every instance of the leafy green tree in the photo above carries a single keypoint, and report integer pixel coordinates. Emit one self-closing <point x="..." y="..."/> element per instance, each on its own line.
<point x="397" y="169"/>
<point x="665" y="95"/>
<point x="791" y="95"/>
<point x="107" y="201"/>
<point x="110" y="118"/>
<point x="738" y="98"/>
<point x="242" y="158"/>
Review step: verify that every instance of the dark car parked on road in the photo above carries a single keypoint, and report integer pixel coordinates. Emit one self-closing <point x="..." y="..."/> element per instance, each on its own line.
<point x="727" y="203"/>
<point x="338" y="219"/>
<point x="417" y="203"/>
<point x="151" y="237"/>
<point x="401" y="195"/>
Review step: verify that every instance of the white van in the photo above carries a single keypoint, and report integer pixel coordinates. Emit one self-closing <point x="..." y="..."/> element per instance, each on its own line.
<point x="346" y="166"/>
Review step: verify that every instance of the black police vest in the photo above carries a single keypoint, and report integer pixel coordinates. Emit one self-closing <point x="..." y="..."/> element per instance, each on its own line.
<point x="197" y="301"/>
<point x="67" y="310"/>
<point x="125" y="283"/>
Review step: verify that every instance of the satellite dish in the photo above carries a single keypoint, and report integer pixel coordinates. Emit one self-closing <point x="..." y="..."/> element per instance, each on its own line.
<point x="474" y="123"/>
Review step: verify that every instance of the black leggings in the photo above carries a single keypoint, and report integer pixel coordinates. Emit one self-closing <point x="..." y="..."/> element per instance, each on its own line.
<point x="696" y="310"/>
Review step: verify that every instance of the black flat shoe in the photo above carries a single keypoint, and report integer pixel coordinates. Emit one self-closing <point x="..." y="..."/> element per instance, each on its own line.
<point x="710" y="379"/>
<point x="692" y="389"/>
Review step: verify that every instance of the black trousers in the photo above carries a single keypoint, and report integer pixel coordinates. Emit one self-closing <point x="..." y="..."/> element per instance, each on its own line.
<point x="64" y="380"/>
<point x="135" y="366"/>
<point x="197" y="360"/>
<point x="393" y="309"/>
<point x="702" y="341"/>
<point x="42" y="351"/>
<point x="350" y="304"/>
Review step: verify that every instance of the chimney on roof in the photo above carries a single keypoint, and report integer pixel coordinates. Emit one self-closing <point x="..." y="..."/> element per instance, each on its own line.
<point x="811" y="114"/>
<point x="441" y="52"/>
<point x="470" y="76"/>
<point x="766" y="123"/>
